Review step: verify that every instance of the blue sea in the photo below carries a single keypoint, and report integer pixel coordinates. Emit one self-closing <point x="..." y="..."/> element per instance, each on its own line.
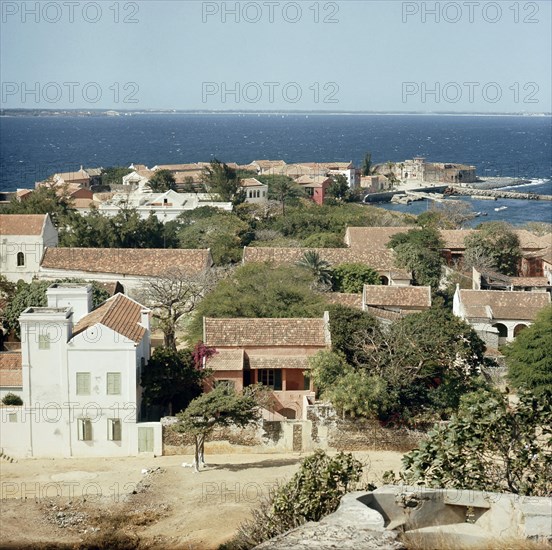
<point x="31" y="148"/>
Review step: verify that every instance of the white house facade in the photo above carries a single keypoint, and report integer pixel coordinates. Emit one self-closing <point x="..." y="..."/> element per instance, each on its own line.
<point x="23" y="238"/>
<point x="80" y="375"/>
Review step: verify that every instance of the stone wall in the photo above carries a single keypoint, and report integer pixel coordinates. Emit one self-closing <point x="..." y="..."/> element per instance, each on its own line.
<point x="321" y="430"/>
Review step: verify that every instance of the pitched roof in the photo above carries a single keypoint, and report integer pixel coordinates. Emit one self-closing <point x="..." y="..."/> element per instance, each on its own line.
<point x="503" y="304"/>
<point x="11" y="374"/>
<point x="380" y="259"/>
<point x="377" y="237"/>
<point x="397" y="296"/>
<point x="146" y="262"/>
<point x="264" y="332"/>
<point x="22" y="224"/>
<point x="252" y="182"/>
<point x="226" y="359"/>
<point x="119" y="313"/>
<point x="344" y="299"/>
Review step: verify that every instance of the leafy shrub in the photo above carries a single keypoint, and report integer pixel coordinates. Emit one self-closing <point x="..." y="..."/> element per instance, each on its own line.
<point x="314" y="492"/>
<point x="12" y="399"/>
<point x="489" y="446"/>
<point x="352" y="277"/>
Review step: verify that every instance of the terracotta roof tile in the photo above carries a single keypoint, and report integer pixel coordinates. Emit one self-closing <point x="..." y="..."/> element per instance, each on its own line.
<point x="10" y="369"/>
<point x="530" y="281"/>
<point x="226" y="359"/>
<point x="344" y="299"/>
<point x="147" y="262"/>
<point x="120" y="314"/>
<point x="252" y="182"/>
<point x="264" y="332"/>
<point x="374" y="237"/>
<point x="504" y="304"/>
<point x="278" y="361"/>
<point x="22" y="224"/>
<point x="384" y="314"/>
<point x="403" y="297"/>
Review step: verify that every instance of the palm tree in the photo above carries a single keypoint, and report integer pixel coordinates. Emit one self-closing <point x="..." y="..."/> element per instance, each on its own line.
<point x="319" y="268"/>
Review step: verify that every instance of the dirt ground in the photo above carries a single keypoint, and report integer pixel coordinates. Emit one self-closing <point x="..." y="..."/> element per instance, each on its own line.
<point x="66" y="501"/>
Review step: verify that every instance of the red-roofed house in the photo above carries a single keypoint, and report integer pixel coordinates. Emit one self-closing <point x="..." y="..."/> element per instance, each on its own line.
<point x="79" y="377"/>
<point x="273" y="352"/>
<point x="23" y="238"/>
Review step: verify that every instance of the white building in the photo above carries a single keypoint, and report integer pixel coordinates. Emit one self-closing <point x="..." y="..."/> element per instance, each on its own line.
<point x="255" y="191"/>
<point x="80" y="379"/>
<point x="23" y="238"/>
<point x="165" y="206"/>
<point x="498" y="316"/>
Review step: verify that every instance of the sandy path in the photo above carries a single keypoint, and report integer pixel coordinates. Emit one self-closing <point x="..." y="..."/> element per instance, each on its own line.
<point x="203" y="509"/>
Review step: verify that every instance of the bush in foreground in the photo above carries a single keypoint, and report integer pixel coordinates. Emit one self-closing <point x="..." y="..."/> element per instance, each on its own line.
<point x="314" y="492"/>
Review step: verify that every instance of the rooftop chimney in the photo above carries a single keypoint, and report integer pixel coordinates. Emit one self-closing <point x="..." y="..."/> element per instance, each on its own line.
<point x="77" y="296"/>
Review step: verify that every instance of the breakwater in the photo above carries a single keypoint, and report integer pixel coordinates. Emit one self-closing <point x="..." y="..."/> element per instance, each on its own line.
<point x="496" y="193"/>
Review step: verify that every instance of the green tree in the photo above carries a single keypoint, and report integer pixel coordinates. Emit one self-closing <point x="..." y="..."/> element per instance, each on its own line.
<point x="54" y="200"/>
<point x="10" y="399"/>
<point x="352" y="277"/>
<point x="419" y="251"/>
<point x="223" y="232"/>
<point x="529" y="357"/>
<point x="489" y="446"/>
<point x="367" y="166"/>
<point x="222" y="406"/>
<point x="320" y="269"/>
<point x="223" y="181"/>
<point x="171" y="380"/>
<point x="326" y="368"/>
<point x="339" y="188"/>
<point x="259" y="290"/>
<point x="282" y="189"/>
<point x="161" y="181"/>
<point x="114" y="175"/>
<point x="34" y="294"/>
<point x="348" y="326"/>
<point x="497" y="242"/>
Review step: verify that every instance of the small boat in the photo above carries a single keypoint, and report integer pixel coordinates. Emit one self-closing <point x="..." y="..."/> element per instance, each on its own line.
<point x="477" y="214"/>
<point x="484" y="213"/>
<point x="500" y="208"/>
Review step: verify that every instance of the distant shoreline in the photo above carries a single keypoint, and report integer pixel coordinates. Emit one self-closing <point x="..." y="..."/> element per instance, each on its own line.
<point x="11" y="113"/>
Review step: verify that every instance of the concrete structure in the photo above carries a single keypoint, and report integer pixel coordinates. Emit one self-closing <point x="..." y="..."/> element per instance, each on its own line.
<point x="315" y="187"/>
<point x="273" y="352"/>
<point x="132" y="267"/>
<point x="23" y="239"/>
<point x="426" y="518"/>
<point x="418" y="170"/>
<point x="498" y="316"/>
<point x="80" y="379"/>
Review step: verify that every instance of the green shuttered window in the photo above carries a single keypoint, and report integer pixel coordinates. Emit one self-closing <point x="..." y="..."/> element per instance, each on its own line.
<point x="113" y="383"/>
<point x="83" y="383"/>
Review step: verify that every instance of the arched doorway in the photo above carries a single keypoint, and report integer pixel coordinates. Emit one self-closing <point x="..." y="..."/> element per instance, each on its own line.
<point x="384" y="280"/>
<point x="502" y="330"/>
<point x="519" y="328"/>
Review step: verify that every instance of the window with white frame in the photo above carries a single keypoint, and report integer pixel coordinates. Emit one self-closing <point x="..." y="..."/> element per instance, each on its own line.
<point x="114" y="429"/>
<point x="83" y="383"/>
<point x="84" y="427"/>
<point x="113" y="383"/>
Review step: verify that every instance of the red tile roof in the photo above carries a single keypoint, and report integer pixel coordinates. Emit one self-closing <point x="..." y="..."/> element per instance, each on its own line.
<point x="265" y="332"/>
<point x="120" y="314"/>
<point x="22" y="224"/>
<point x="344" y="299"/>
<point x="10" y="369"/>
<point x="503" y="304"/>
<point x="226" y="359"/>
<point x="152" y="262"/>
<point x="402" y="297"/>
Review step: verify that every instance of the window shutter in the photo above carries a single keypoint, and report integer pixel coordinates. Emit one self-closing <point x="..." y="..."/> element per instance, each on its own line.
<point x="114" y="429"/>
<point x="83" y="383"/>
<point x="43" y="341"/>
<point x="113" y="383"/>
<point x="84" y="427"/>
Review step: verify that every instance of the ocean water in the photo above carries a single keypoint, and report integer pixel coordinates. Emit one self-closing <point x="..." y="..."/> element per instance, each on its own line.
<point x="32" y="148"/>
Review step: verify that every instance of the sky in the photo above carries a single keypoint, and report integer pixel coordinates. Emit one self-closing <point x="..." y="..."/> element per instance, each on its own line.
<point x="465" y="56"/>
